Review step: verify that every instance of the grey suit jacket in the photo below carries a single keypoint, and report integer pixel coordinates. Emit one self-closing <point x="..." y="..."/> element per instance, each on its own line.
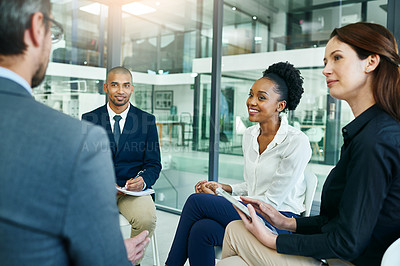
<point x="57" y="195"/>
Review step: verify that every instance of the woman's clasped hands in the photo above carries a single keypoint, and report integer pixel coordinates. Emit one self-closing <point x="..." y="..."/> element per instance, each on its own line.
<point x="205" y="186"/>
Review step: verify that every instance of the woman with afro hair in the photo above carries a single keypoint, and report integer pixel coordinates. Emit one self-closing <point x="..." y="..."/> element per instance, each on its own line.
<point x="275" y="157"/>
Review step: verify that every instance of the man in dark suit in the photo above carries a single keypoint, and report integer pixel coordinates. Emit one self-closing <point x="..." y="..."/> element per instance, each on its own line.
<point x="135" y="148"/>
<point x="57" y="200"/>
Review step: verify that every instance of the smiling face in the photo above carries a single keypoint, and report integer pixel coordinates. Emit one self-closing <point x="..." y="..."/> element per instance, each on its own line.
<point x="346" y="74"/>
<point x="119" y="88"/>
<point x="264" y="103"/>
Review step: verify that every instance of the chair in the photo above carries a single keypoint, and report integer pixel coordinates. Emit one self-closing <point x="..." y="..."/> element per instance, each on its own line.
<point x="126" y="233"/>
<point x="225" y="142"/>
<point x="392" y="254"/>
<point x="218" y="253"/>
<point x="124" y="226"/>
<point x="240" y="126"/>
<point x="186" y="119"/>
<point x="311" y="186"/>
<point x="315" y="135"/>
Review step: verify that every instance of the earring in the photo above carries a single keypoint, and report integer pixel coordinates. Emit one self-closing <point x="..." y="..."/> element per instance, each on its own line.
<point x="367" y="70"/>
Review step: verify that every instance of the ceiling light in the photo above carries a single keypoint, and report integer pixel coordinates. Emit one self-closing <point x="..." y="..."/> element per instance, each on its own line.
<point x="95" y="9"/>
<point x="234" y="8"/>
<point x="254" y="17"/>
<point x="258" y="38"/>
<point x="92" y="8"/>
<point x="137" y="9"/>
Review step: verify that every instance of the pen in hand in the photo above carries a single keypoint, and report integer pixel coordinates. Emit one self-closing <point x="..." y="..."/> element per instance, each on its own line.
<point x="138" y="174"/>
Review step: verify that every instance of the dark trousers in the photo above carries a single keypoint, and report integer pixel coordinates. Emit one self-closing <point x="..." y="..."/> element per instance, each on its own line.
<point x="201" y="227"/>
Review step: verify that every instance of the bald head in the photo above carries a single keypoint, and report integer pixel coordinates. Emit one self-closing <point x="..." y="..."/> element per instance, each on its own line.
<point x="119" y="70"/>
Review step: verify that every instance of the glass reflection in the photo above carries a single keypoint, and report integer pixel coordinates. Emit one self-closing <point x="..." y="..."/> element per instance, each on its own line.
<point x="166" y="42"/>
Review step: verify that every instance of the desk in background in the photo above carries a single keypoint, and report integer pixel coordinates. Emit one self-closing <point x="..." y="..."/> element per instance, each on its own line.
<point x="170" y="123"/>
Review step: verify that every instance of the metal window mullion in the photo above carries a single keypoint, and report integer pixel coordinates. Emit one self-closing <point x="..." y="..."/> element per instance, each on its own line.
<point x="393" y="18"/>
<point x="215" y="90"/>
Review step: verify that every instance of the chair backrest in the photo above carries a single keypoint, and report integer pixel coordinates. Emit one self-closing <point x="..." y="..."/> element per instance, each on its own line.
<point x="311" y="186"/>
<point x="392" y="254"/>
<point x="186" y="117"/>
<point x="315" y="134"/>
<point x="240" y="126"/>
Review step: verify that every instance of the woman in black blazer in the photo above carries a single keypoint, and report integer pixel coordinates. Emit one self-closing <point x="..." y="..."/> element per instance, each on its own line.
<point x="359" y="216"/>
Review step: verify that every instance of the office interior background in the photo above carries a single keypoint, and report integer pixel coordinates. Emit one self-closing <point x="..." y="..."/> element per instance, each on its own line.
<point x="168" y="46"/>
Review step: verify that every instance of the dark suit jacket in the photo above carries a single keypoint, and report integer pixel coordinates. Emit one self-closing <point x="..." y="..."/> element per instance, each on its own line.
<point x="138" y="146"/>
<point x="57" y="195"/>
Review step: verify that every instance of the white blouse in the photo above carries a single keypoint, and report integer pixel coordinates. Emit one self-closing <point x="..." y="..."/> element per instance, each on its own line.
<point x="277" y="175"/>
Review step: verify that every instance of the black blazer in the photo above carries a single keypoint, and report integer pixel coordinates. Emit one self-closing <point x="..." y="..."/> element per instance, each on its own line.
<point x="138" y="146"/>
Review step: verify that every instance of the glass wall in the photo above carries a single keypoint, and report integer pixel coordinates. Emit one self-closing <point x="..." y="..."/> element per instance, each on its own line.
<point x="75" y="75"/>
<point x="168" y="46"/>
<point x="85" y="31"/>
<point x="165" y="36"/>
<point x="270" y="29"/>
<point x="304" y="26"/>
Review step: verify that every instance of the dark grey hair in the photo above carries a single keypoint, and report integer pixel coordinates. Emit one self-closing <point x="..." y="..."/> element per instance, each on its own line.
<point x="15" y="18"/>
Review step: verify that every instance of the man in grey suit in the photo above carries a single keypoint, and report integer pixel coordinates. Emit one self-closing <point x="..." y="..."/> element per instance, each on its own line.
<point x="57" y="195"/>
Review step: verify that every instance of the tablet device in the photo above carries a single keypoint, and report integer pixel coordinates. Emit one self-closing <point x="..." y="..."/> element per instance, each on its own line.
<point x="235" y="202"/>
<point x="242" y="207"/>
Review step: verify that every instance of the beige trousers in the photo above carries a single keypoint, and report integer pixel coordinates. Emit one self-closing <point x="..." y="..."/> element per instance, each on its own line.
<point x="240" y="247"/>
<point x="139" y="211"/>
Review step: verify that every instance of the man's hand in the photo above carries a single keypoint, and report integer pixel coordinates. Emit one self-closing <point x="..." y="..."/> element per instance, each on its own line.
<point x="135" y="184"/>
<point x="135" y="246"/>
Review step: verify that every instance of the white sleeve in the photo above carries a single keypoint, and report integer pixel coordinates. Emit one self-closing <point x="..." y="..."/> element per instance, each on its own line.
<point x="290" y="170"/>
<point x="239" y="189"/>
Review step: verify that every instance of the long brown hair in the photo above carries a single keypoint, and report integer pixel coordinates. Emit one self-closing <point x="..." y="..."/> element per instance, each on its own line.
<point x="367" y="39"/>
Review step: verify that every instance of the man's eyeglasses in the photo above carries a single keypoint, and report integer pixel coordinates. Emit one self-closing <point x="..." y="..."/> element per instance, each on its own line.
<point x="56" y="29"/>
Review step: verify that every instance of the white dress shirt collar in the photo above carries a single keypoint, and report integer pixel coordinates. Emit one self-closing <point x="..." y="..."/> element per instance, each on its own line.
<point x="123" y="115"/>
<point x="279" y="137"/>
<point x="8" y="74"/>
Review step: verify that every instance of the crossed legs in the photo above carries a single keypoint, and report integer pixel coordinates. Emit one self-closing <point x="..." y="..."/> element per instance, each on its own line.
<point x="201" y="227"/>
<point x="241" y="248"/>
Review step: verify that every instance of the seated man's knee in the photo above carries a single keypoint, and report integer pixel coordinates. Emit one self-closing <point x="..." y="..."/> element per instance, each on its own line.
<point x="145" y="221"/>
<point x="140" y="224"/>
